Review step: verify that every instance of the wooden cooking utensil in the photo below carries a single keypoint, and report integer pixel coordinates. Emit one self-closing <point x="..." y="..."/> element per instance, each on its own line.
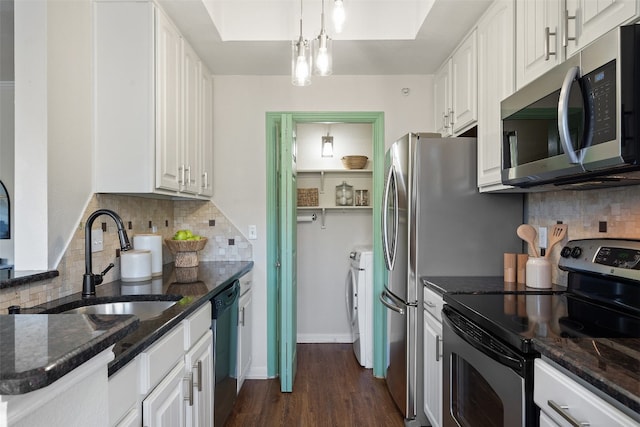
<point x="527" y="233"/>
<point x="558" y="232"/>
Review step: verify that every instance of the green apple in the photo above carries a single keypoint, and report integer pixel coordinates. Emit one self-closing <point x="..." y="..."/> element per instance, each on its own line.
<point x="181" y="235"/>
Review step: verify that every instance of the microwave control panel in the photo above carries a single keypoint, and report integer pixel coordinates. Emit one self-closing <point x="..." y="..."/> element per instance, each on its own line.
<point x="600" y="88"/>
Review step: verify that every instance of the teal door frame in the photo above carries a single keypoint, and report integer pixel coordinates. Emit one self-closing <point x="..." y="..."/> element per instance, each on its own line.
<point x="273" y="121"/>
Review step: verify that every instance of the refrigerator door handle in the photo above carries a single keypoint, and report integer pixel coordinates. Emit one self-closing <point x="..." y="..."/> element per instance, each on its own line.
<point x="390" y="302"/>
<point x="389" y="252"/>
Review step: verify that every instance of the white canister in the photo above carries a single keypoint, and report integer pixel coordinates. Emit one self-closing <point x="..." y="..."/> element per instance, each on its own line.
<point x="538" y="273"/>
<point x="135" y="265"/>
<point x="153" y="243"/>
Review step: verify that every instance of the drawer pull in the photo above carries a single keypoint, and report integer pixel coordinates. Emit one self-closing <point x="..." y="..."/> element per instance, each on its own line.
<point x="429" y="304"/>
<point x="562" y="411"/>
<point x="189" y="380"/>
<point x="438" y="348"/>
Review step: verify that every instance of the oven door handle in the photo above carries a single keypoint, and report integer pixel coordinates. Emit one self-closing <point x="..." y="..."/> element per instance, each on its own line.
<point x="504" y="359"/>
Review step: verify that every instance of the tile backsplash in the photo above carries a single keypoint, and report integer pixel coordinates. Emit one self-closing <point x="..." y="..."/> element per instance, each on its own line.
<point x="140" y="215"/>
<point x="584" y="211"/>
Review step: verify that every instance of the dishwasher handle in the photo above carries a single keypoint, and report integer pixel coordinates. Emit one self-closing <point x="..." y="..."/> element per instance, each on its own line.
<point x="225" y="299"/>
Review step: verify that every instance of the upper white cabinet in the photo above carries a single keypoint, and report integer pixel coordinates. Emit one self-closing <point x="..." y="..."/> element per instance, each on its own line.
<point x="549" y="31"/>
<point x="152" y="98"/>
<point x="586" y="20"/>
<point x="455" y="90"/>
<point x="464" y="80"/>
<point x="442" y="99"/>
<point x="495" y="82"/>
<point x="538" y="39"/>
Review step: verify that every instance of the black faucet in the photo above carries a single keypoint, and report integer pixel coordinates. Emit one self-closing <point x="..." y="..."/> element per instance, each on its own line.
<point x="90" y="280"/>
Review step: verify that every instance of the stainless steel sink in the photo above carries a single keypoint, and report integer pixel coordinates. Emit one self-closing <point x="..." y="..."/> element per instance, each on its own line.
<point x="145" y="310"/>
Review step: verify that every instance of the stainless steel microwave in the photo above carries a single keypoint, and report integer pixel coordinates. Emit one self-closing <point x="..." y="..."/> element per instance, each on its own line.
<point x="578" y="125"/>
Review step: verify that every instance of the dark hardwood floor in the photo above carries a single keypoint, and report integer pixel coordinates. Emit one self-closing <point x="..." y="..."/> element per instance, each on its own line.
<point x="330" y="389"/>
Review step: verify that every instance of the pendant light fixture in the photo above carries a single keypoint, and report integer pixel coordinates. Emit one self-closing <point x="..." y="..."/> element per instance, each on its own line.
<point x="322" y="51"/>
<point x="338" y="15"/>
<point x="300" y="59"/>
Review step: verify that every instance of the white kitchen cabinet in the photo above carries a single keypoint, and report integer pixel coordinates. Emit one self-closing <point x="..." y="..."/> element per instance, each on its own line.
<point x="244" y="336"/>
<point x="539" y="35"/>
<point x="149" y="123"/>
<point x="593" y="18"/>
<point x="464" y="81"/>
<point x="455" y="89"/>
<point x="433" y="356"/>
<point x="206" y="157"/>
<point x="199" y="363"/>
<point x="442" y="99"/>
<point x="496" y="81"/>
<point x="124" y="403"/>
<point x="559" y="397"/>
<point x="164" y="406"/>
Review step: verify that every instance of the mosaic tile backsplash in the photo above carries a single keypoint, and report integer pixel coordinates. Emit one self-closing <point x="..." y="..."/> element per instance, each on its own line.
<point x="584" y="211"/>
<point x="140" y="215"/>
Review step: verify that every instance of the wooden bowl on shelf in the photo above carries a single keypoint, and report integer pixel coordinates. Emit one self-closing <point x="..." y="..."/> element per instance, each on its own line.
<point x="186" y="251"/>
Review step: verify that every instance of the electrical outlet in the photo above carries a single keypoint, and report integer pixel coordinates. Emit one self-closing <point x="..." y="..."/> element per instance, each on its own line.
<point x="97" y="243"/>
<point x="253" y="232"/>
<point x="542" y="237"/>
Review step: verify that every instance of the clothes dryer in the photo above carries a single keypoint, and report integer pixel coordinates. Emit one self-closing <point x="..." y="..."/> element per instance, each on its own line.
<point x="359" y="297"/>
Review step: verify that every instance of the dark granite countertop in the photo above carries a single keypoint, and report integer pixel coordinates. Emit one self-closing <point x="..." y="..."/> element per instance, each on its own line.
<point x="36" y="350"/>
<point x="478" y="285"/>
<point x="213" y="277"/>
<point x="10" y="277"/>
<point x="612" y="366"/>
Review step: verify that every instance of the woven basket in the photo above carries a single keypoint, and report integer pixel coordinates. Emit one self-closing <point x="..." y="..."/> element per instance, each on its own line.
<point x="307" y="197"/>
<point x="186" y="251"/>
<point x="354" y="162"/>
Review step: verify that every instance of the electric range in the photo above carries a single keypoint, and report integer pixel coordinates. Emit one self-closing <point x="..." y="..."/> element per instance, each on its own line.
<point x="488" y="336"/>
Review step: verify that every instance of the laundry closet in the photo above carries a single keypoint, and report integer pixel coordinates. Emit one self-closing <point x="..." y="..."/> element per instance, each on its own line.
<point x="335" y="216"/>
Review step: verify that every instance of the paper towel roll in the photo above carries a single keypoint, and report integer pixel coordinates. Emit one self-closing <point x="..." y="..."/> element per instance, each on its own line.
<point x="153" y="243"/>
<point x="135" y="265"/>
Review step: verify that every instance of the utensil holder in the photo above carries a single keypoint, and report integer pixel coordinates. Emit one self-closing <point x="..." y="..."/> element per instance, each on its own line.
<point x="538" y="273"/>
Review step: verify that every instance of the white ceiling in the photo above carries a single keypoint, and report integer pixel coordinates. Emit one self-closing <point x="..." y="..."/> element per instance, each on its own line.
<point x="380" y="37"/>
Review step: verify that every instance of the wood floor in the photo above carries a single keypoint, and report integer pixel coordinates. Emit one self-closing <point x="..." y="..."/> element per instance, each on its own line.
<point x="330" y="389"/>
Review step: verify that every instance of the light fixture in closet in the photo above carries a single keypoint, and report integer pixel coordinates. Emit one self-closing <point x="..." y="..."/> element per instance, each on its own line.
<point x="327" y="145"/>
<point x="300" y="59"/>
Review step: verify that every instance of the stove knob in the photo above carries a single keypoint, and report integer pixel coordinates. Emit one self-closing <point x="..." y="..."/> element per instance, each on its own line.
<point x="576" y="252"/>
<point x="565" y="252"/>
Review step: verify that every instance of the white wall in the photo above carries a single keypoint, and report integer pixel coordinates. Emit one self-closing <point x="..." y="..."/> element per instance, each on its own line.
<point x="240" y="105"/>
<point x="53" y="151"/>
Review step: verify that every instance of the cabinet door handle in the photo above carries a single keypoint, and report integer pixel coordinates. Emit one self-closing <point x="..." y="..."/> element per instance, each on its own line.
<point x="188" y="175"/>
<point x="198" y="367"/>
<point x="444" y="120"/>
<point x="205" y="180"/>
<point x="438" y="349"/>
<point x="189" y="380"/>
<point x="562" y="411"/>
<point x="566" y="38"/>
<point x="547" y="43"/>
<point x="451" y="117"/>
<point x="242" y="316"/>
<point x="181" y="175"/>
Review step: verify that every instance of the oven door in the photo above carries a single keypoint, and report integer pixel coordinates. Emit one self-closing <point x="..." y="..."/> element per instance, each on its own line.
<point x="484" y="385"/>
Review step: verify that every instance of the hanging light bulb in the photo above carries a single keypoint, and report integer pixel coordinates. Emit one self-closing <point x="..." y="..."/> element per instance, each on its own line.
<point x="322" y="51"/>
<point x="338" y="15"/>
<point x="300" y="59"/>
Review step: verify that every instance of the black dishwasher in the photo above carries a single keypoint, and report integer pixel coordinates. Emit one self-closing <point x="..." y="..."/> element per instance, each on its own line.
<point x="225" y="340"/>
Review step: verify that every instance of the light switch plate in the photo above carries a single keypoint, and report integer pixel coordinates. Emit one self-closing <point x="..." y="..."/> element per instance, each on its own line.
<point x="253" y="232"/>
<point x="97" y="243"/>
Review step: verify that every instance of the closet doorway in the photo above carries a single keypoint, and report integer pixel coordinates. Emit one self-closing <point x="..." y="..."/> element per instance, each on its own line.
<point x="281" y="235"/>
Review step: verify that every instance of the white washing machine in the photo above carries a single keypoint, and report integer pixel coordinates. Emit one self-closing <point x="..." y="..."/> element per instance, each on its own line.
<point x="359" y="296"/>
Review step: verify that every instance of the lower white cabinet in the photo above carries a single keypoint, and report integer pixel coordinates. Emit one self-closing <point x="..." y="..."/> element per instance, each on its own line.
<point x="170" y="383"/>
<point x="164" y="406"/>
<point x="563" y="401"/>
<point x="433" y="357"/>
<point x="244" y="337"/>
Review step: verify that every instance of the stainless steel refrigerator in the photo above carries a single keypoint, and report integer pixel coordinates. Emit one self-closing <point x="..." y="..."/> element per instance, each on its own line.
<point x="435" y="223"/>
